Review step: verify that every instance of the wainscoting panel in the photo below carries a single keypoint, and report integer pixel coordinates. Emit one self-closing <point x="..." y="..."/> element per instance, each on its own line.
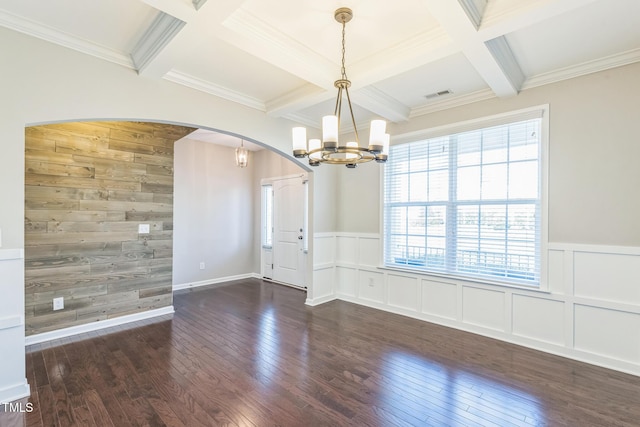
<point x="481" y="307"/>
<point x="439" y="299"/>
<point x="371" y="286"/>
<point x="403" y="292"/>
<point x="609" y="333"/>
<point x="324" y="249"/>
<point x="589" y="309"/>
<point x="324" y="283"/>
<point x="347" y="249"/>
<point x="369" y="251"/>
<point x="538" y="319"/>
<point x="607" y="276"/>
<point x="347" y="283"/>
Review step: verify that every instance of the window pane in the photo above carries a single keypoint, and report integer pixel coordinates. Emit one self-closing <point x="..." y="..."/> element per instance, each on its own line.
<point x="523" y="180"/>
<point x="438" y="186"/>
<point x="439" y="153"/>
<point x="469" y="183"/>
<point x="418" y="187"/>
<point x="469" y="148"/>
<point x="494" y="182"/>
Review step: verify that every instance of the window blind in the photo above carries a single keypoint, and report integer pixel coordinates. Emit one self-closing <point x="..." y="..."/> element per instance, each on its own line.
<point x="467" y="204"/>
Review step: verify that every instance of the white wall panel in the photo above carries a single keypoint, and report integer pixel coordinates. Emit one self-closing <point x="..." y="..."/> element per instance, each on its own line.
<point x="599" y="325"/>
<point x="323" y="249"/>
<point x="555" y="271"/>
<point x="347" y="249"/>
<point x="439" y="299"/>
<point x="347" y="281"/>
<point x="484" y="308"/>
<point x="611" y="277"/>
<point x="403" y="292"/>
<point x="323" y="282"/>
<point x="369" y="249"/>
<point x="371" y="286"/>
<point x="538" y="318"/>
<point x="607" y="332"/>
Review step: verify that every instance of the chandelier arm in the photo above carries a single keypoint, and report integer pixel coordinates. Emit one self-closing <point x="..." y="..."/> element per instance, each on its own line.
<point x="353" y="119"/>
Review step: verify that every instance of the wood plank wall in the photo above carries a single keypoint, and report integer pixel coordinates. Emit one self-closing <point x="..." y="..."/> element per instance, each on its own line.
<point x="87" y="188"/>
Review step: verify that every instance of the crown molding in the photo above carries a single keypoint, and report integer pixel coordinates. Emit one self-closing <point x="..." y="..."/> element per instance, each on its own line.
<point x="451" y="102"/>
<point x="51" y="35"/>
<point x="589" y="67"/>
<point x="252" y="34"/>
<point x="375" y="100"/>
<point x="214" y="89"/>
<point x="161" y="31"/>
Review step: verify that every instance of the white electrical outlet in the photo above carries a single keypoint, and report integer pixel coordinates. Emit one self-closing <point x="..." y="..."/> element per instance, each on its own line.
<point x="201" y="265"/>
<point x="143" y="228"/>
<point x="58" y="303"/>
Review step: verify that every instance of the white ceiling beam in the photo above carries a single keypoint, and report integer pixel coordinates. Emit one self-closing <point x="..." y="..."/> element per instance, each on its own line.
<point x="164" y="48"/>
<point x="162" y="30"/>
<point x="412" y="53"/>
<point x="493" y="61"/>
<point x="474" y="10"/>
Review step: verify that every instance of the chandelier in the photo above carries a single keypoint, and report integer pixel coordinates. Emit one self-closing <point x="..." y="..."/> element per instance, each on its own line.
<point x="329" y="150"/>
<point x="242" y="155"/>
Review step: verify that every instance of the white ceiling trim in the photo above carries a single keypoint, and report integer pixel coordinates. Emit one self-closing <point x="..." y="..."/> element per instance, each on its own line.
<point x="601" y="64"/>
<point x="485" y="58"/>
<point x="382" y="104"/>
<point x="451" y="102"/>
<point x="298" y="99"/>
<point x="252" y="34"/>
<point x="589" y="67"/>
<point x="214" y="89"/>
<point x="419" y="50"/>
<point x="46" y="33"/>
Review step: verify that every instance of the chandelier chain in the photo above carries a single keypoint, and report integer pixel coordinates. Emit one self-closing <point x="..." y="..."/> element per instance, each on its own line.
<point x="343" y="69"/>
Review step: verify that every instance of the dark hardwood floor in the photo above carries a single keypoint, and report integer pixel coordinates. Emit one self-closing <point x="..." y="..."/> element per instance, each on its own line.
<point x="252" y="354"/>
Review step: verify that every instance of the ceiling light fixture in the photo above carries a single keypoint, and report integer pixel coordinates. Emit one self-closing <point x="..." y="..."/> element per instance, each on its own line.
<point x="329" y="150"/>
<point x="242" y="155"/>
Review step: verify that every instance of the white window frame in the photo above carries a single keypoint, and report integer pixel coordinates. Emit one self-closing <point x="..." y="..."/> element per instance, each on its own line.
<point x="542" y="112"/>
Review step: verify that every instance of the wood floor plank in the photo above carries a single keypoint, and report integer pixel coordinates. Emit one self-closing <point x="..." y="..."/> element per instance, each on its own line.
<point x="252" y="354"/>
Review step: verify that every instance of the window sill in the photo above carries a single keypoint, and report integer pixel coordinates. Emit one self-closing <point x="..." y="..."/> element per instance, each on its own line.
<point x="453" y="279"/>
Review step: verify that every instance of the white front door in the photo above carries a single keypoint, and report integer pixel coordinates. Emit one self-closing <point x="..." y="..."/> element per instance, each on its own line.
<point x="288" y="232"/>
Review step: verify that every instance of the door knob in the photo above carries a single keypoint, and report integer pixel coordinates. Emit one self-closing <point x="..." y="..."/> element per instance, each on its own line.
<point x="299" y="237"/>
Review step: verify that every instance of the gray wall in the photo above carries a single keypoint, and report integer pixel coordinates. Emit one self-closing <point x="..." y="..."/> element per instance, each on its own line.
<point x="217" y="210"/>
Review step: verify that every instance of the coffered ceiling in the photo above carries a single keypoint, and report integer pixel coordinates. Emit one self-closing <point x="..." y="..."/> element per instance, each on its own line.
<point x="282" y="56"/>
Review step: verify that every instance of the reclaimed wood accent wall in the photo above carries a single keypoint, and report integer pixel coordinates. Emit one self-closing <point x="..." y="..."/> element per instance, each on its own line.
<point x="88" y="186"/>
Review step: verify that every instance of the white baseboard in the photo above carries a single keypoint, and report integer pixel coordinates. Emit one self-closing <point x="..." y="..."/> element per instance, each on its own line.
<point x="321" y="300"/>
<point x="95" y="326"/>
<point x="15" y="392"/>
<point x="215" y="281"/>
